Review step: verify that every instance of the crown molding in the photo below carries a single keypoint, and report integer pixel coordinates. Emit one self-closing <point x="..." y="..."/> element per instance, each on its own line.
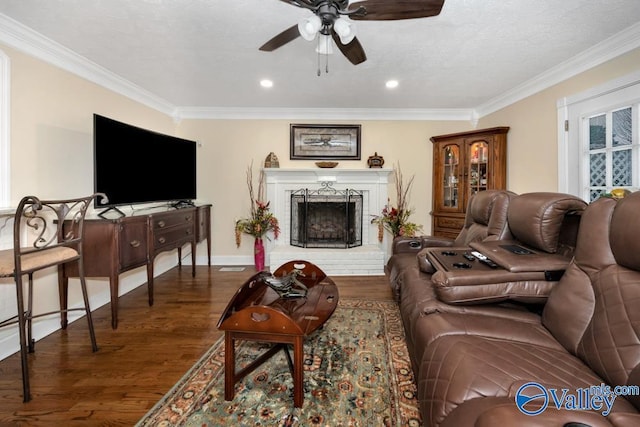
<point x="616" y="45"/>
<point x="240" y="113"/>
<point x="24" y="39"/>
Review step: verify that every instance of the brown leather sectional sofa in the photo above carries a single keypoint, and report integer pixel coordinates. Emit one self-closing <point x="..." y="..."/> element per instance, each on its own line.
<point x="542" y="331"/>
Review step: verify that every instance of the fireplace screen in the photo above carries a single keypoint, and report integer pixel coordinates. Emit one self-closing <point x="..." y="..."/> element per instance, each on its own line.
<point x="326" y="218"/>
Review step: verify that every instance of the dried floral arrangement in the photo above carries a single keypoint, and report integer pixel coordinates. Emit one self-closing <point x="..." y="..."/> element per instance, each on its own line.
<point x="395" y="219"/>
<point x="260" y="220"/>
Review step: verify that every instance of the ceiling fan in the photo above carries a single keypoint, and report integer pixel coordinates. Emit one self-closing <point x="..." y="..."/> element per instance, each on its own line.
<point x="327" y="22"/>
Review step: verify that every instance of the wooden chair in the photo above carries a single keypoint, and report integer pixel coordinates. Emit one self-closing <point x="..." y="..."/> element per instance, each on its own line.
<point x="46" y="233"/>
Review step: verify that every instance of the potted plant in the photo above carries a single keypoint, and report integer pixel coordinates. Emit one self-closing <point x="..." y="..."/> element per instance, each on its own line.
<point x="259" y="222"/>
<point x="396" y="219"/>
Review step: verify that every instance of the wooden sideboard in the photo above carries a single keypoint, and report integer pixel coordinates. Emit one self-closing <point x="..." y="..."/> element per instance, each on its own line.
<point x="113" y="246"/>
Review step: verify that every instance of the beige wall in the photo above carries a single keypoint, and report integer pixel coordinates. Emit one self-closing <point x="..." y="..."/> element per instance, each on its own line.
<point x="533" y="137"/>
<point x="52" y="127"/>
<point x="229" y="147"/>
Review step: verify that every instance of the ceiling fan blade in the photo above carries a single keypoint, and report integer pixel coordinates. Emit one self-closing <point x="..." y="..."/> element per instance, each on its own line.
<point x="353" y="50"/>
<point x="384" y="10"/>
<point x="281" y="39"/>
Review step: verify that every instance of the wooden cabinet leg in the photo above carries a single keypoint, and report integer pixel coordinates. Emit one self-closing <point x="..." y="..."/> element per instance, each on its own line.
<point x="193" y="258"/>
<point x="114" y="286"/>
<point x="150" y="281"/>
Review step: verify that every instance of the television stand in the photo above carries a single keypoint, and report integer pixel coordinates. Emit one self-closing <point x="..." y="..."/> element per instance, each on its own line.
<point x="115" y="245"/>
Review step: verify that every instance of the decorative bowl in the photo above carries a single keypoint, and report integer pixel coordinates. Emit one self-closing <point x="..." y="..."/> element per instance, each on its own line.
<point x="326" y="164"/>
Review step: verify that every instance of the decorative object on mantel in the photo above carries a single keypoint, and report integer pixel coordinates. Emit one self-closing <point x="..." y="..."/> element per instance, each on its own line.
<point x="396" y="219"/>
<point x="326" y="164"/>
<point x="375" y="161"/>
<point x="271" y="161"/>
<point x="325" y="142"/>
<point x="259" y="222"/>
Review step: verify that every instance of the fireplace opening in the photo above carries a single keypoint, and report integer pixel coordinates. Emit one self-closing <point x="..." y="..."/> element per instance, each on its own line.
<point x="326" y="218"/>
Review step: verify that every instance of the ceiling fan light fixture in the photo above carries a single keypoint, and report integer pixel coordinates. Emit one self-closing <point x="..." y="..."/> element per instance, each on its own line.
<point x="309" y="27"/>
<point x="345" y="30"/>
<point x="325" y="45"/>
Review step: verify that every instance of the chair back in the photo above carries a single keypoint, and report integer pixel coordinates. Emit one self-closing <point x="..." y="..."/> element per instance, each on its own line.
<point x="48" y="232"/>
<point x="593" y="310"/>
<point x="486" y="217"/>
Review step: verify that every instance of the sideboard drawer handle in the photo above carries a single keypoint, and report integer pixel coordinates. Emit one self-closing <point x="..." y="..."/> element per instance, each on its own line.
<point x="188" y="232"/>
<point x="161" y="224"/>
<point x="135" y="243"/>
<point x="161" y="239"/>
<point x="187" y="218"/>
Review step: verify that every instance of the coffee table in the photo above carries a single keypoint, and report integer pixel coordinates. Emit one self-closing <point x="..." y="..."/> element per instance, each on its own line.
<point x="258" y="313"/>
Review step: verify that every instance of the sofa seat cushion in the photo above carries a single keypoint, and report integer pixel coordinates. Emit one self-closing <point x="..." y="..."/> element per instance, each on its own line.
<point x="456" y="368"/>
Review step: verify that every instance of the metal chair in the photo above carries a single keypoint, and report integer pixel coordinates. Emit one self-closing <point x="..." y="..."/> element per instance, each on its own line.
<point x="46" y="233"/>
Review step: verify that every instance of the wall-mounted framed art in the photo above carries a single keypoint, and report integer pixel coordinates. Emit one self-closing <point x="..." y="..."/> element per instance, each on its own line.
<point x="330" y="142"/>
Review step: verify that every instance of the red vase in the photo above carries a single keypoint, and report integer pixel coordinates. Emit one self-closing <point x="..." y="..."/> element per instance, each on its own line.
<point x="258" y="254"/>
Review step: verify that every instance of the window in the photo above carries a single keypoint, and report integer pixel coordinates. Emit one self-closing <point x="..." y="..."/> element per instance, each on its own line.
<point x="4" y="130"/>
<point x="599" y="147"/>
<point x="610" y="151"/>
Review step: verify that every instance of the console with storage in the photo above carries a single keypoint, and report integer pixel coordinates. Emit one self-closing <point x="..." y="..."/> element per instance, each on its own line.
<point x="113" y="246"/>
<point x="555" y="306"/>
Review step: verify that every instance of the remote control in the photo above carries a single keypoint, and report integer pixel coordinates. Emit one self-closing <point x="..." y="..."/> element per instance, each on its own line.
<point x="478" y="255"/>
<point x="489" y="263"/>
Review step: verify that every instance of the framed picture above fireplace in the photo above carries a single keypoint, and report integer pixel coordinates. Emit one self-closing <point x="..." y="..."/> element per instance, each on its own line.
<point x="325" y="142"/>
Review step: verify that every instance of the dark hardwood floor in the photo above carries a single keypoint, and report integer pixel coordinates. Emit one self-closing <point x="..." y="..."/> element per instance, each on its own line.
<point x="139" y="362"/>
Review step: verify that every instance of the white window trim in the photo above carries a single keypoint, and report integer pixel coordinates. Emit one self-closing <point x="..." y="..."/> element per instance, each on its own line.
<point x="5" y="161"/>
<point x="570" y="110"/>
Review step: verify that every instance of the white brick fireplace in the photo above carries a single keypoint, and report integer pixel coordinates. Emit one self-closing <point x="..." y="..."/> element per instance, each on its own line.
<point x="368" y="259"/>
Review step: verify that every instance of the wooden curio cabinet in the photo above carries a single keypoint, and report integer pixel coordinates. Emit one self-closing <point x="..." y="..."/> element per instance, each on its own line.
<point x="463" y="164"/>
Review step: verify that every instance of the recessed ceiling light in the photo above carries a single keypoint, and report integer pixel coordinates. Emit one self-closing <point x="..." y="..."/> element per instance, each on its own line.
<point x="266" y="83"/>
<point x="391" y="84"/>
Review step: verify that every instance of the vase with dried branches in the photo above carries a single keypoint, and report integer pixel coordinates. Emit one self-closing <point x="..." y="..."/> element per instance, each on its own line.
<point x="395" y="219"/>
<point x="260" y="220"/>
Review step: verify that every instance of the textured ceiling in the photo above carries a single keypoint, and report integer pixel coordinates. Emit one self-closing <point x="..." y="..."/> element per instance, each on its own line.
<point x="204" y="53"/>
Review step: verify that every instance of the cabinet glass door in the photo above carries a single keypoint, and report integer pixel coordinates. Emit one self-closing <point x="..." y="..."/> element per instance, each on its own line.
<point x="478" y="162"/>
<point x="450" y="176"/>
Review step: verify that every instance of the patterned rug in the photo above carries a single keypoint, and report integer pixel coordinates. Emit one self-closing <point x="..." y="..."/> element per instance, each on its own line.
<point x="357" y="373"/>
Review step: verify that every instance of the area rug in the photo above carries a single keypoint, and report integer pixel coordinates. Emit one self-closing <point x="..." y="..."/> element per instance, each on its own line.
<point x="357" y="373"/>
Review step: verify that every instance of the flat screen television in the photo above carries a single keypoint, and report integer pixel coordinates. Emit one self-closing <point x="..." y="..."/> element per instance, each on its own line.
<point x="134" y="165"/>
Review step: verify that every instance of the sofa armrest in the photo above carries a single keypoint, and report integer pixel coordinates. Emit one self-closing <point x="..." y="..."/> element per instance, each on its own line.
<point x="415" y="244"/>
<point x="463" y="279"/>
<point x="515" y="257"/>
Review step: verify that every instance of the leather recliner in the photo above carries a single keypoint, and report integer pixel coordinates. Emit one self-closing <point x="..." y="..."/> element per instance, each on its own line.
<point x="587" y="336"/>
<point x="541" y="217"/>
<point x="486" y="218"/>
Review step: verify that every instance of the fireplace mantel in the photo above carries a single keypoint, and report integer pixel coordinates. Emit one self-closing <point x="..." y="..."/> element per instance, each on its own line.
<point x="368" y="259"/>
